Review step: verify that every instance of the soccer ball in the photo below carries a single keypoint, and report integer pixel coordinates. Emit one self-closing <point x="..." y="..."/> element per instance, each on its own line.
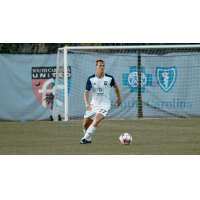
<point x="125" y="138"/>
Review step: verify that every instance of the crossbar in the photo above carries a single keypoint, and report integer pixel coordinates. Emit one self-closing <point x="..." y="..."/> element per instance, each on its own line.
<point x="134" y="47"/>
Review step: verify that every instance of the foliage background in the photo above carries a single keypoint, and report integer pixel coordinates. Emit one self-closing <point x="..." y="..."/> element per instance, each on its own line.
<point x="39" y="48"/>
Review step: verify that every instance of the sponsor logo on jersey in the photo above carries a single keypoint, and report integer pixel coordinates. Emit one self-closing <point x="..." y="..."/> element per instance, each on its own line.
<point x="99" y="92"/>
<point x="131" y="79"/>
<point x="166" y="77"/>
<point x="43" y="84"/>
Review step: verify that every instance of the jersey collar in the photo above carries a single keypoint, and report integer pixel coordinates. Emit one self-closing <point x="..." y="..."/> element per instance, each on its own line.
<point x="102" y="77"/>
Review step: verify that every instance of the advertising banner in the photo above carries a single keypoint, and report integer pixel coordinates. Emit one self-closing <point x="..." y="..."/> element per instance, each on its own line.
<point x="169" y="85"/>
<point x="175" y="85"/>
<point x="26" y="85"/>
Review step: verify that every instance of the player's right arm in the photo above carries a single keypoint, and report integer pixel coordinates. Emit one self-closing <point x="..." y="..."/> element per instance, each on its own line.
<point x="86" y="95"/>
<point x="86" y="98"/>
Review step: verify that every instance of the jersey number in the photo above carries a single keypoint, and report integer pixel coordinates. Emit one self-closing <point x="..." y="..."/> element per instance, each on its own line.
<point x="102" y="111"/>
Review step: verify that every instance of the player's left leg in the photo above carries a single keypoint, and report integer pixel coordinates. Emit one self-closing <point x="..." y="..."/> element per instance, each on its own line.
<point x="99" y="117"/>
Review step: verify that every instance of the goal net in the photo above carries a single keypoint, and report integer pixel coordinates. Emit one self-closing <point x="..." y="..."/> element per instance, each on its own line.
<point x="154" y="81"/>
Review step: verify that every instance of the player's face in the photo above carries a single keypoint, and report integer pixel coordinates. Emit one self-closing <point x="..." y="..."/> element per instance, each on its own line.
<point x="100" y="67"/>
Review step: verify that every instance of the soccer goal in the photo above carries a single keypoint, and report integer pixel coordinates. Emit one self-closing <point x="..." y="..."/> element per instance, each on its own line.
<point x="154" y="81"/>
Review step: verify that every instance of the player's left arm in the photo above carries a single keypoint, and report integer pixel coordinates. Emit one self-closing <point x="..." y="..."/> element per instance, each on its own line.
<point x="118" y="101"/>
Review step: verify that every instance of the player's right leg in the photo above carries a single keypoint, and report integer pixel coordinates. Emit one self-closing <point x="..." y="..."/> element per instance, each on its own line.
<point x="87" y="121"/>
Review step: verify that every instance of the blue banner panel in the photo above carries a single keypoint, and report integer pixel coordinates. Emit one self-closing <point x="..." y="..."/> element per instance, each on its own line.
<point x="175" y="85"/>
<point x="26" y="85"/>
<point x="169" y="85"/>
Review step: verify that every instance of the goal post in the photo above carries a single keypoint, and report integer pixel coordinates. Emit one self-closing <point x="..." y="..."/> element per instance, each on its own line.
<point x="66" y="85"/>
<point x="59" y="108"/>
<point x="156" y="81"/>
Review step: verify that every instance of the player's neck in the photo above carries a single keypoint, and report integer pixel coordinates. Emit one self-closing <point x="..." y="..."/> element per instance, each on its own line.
<point x="100" y="74"/>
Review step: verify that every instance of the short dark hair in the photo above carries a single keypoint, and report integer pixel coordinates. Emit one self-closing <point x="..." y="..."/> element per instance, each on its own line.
<point x="99" y="61"/>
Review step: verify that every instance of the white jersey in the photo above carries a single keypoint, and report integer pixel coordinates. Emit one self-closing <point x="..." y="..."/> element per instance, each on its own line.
<point x="100" y="89"/>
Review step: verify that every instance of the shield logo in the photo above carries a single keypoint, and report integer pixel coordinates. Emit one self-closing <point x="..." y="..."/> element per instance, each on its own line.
<point x="43" y="82"/>
<point x="166" y="77"/>
<point x="105" y="83"/>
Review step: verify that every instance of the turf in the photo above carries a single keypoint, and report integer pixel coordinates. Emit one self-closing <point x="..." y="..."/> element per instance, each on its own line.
<point x="150" y="137"/>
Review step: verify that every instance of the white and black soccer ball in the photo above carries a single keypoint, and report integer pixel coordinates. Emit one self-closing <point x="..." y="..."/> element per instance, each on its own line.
<point x="125" y="138"/>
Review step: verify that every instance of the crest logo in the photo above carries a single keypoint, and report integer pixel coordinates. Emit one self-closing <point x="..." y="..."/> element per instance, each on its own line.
<point x="43" y="82"/>
<point x="105" y="82"/>
<point x="166" y="77"/>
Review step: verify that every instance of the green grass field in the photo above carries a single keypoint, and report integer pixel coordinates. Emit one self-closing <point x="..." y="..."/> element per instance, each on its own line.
<point x="150" y="137"/>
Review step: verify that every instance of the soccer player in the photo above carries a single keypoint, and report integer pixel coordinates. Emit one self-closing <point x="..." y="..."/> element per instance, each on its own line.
<point x="97" y="110"/>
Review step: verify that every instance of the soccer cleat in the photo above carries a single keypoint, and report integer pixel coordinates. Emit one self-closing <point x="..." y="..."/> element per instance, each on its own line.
<point x="84" y="141"/>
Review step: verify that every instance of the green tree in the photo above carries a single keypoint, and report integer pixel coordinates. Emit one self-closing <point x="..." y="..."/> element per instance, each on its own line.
<point x="90" y="44"/>
<point x="33" y="48"/>
<point x="7" y="48"/>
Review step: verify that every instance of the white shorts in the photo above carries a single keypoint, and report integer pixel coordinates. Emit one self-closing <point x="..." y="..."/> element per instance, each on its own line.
<point x="97" y="109"/>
